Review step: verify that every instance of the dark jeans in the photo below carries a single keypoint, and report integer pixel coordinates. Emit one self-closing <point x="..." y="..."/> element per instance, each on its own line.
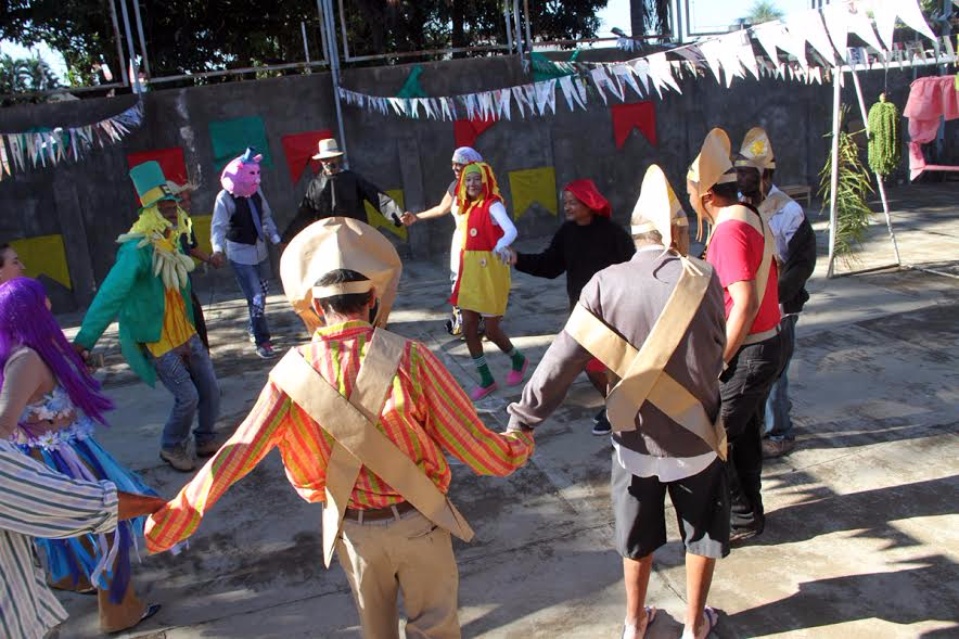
<point x="254" y="282"/>
<point x="744" y="387"/>
<point x="779" y="424"/>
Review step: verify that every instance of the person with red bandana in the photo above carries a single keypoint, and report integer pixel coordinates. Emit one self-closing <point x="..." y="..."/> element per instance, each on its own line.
<point x="585" y="244"/>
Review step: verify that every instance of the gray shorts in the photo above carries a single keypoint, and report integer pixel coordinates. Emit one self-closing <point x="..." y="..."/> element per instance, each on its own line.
<point x="702" y="511"/>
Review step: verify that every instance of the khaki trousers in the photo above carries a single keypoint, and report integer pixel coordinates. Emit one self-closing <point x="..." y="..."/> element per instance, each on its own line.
<point x="408" y="555"/>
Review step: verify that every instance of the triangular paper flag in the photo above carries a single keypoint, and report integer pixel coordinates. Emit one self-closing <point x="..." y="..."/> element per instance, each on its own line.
<point x="713" y="52"/>
<point x="836" y="17"/>
<point x="601" y="81"/>
<point x="808" y="26"/>
<point x="566" y="86"/>
<point x="636" y="115"/>
<point x="911" y="14"/>
<point x="625" y="74"/>
<point x="531" y="186"/>
<point x="769" y="36"/>
<point x="662" y="72"/>
<point x="860" y="24"/>
<point x="520" y="98"/>
<point x="641" y="69"/>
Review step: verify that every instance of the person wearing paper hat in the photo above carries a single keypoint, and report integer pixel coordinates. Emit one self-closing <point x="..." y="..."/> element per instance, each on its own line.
<point x="148" y="291"/>
<point x="740" y="249"/>
<point x="461" y="157"/>
<point x="241" y="227"/>
<point x="339" y="192"/>
<point x="363" y="419"/>
<point x="657" y="323"/>
<point x="796" y="255"/>
<point x="585" y="244"/>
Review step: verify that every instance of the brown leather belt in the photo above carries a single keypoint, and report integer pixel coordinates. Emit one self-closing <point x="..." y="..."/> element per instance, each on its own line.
<point x="379" y="514"/>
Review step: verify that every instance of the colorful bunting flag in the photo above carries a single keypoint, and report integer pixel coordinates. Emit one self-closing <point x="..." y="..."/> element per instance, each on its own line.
<point x="533" y="186"/>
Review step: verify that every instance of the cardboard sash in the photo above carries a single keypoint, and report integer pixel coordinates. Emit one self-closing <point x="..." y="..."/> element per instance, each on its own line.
<point x="641" y="372"/>
<point x="741" y="213"/>
<point x="772" y="205"/>
<point x="358" y="442"/>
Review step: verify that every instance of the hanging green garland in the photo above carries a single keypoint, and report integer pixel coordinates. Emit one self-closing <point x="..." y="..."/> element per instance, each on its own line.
<point x="885" y="138"/>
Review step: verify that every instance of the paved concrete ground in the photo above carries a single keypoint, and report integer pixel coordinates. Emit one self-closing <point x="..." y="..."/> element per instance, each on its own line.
<point x="862" y="537"/>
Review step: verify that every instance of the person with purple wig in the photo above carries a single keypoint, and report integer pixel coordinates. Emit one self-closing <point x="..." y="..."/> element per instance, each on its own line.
<point x="49" y="405"/>
<point x="461" y="157"/>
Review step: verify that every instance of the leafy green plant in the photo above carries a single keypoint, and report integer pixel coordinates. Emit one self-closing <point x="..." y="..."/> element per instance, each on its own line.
<point x="854" y="187"/>
<point x="885" y="137"/>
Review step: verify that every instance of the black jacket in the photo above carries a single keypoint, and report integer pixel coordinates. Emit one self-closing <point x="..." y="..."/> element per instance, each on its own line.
<point x="580" y="252"/>
<point x="342" y="194"/>
<point x="798" y="268"/>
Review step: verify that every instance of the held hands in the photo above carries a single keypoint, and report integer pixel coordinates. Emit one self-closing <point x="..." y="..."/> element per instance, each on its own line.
<point x="131" y="505"/>
<point x="506" y="255"/>
<point x="216" y="260"/>
<point x="409" y="219"/>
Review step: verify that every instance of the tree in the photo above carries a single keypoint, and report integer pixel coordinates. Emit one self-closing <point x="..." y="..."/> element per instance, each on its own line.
<point x="188" y="36"/>
<point x="764" y="11"/>
<point x="26" y="75"/>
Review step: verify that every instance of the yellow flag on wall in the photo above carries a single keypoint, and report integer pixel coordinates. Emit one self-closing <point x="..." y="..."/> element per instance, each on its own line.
<point x="378" y="220"/>
<point x="44" y="255"/>
<point x="531" y="186"/>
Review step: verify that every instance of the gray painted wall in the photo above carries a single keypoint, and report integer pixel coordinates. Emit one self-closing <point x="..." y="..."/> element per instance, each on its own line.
<point x="92" y="202"/>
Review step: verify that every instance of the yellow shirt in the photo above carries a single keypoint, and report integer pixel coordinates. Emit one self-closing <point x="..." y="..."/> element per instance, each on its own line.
<point x="177" y="328"/>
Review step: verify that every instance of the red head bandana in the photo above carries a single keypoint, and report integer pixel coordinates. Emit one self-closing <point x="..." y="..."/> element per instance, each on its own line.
<point x="587" y="193"/>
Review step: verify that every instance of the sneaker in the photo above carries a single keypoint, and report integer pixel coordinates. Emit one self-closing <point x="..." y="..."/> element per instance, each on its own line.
<point x="515" y="377"/>
<point x="480" y="392"/>
<point x="178" y="458"/>
<point x="601" y="424"/>
<point x="773" y="448"/>
<point x="265" y="351"/>
<point x="208" y="448"/>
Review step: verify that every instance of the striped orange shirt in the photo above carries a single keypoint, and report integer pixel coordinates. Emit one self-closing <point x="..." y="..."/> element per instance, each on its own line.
<point x="426" y="415"/>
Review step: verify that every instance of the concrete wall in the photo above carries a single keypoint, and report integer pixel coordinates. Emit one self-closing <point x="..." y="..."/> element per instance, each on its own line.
<point x="91" y="202"/>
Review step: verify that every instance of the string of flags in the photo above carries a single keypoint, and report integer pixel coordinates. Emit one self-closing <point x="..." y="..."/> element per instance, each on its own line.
<point x="42" y="147"/>
<point x="737" y="55"/>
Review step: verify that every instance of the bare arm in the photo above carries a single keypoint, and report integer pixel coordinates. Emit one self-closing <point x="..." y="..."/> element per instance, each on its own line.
<point x="23" y="376"/>
<point x="441" y="209"/>
<point x="741" y="315"/>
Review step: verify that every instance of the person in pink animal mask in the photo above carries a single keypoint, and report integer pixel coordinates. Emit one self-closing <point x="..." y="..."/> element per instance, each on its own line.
<point x="242" y="225"/>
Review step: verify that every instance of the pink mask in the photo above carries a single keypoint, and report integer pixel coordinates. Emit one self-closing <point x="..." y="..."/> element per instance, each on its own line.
<point x="241" y="177"/>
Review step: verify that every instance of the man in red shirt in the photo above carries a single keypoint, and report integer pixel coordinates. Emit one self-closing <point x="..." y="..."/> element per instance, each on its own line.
<point x="740" y="249"/>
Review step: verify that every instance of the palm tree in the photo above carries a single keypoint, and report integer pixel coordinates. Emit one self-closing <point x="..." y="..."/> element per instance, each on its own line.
<point x="764" y="11"/>
<point x="25" y="75"/>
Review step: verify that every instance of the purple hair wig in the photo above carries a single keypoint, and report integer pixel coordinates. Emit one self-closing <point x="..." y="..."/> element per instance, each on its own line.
<point x="25" y="320"/>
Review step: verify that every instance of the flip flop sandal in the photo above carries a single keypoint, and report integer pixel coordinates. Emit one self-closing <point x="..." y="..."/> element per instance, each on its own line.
<point x="711" y="619"/>
<point x="650" y="618"/>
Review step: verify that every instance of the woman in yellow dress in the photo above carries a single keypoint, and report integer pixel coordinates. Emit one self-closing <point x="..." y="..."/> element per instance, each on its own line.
<point x="483" y="280"/>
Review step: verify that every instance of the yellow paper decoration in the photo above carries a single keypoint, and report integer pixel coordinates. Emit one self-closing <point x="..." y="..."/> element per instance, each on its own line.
<point x="44" y="255"/>
<point x="380" y="221"/>
<point x="530" y="186"/>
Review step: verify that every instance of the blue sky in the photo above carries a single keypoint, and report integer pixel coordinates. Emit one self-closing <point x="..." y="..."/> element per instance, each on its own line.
<point x="707" y="15"/>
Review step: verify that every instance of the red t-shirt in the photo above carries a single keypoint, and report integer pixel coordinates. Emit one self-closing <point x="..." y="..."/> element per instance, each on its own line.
<point x="736" y="251"/>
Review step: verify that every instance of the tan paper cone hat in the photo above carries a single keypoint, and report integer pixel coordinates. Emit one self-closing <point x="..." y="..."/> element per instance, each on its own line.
<point x="756" y="151"/>
<point x="711" y="167"/>
<point x="658" y="208"/>
<point x="336" y="243"/>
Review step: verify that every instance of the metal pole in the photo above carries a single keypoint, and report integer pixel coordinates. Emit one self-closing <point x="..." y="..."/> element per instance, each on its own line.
<point x="143" y="41"/>
<point x="306" y="46"/>
<point x="130" y="51"/>
<point x="116" y="34"/>
<point x="319" y="14"/>
<point x="346" y="43"/>
<point x="334" y="59"/>
<point x="519" y="31"/>
<point x="834" y="177"/>
<point x="529" y="37"/>
<point x="882" y="187"/>
<point x="509" y="30"/>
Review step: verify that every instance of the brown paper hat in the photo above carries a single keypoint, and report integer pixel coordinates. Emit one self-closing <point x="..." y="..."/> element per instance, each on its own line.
<point x="335" y="243"/>
<point x="756" y="151"/>
<point x="658" y="208"/>
<point x="711" y="167"/>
